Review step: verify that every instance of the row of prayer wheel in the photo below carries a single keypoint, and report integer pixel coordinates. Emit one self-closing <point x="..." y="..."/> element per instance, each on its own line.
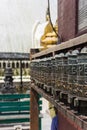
<point x="64" y="72"/>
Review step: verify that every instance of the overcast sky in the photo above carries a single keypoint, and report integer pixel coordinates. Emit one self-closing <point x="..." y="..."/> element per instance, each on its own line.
<point x="17" y="18"/>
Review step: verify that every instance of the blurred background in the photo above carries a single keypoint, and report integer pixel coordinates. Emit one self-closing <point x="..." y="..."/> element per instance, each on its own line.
<point x="17" y="18"/>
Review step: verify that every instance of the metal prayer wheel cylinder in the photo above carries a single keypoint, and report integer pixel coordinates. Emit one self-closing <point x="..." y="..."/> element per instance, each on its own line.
<point x="36" y="74"/>
<point x="53" y="72"/>
<point x="56" y="88"/>
<point x="82" y="74"/>
<point x="47" y="75"/>
<point x="41" y="72"/>
<point x="64" y="77"/>
<point x="32" y="70"/>
<point x="72" y="74"/>
<point x="44" y="70"/>
<point x="58" y="72"/>
<point x="62" y="72"/>
<point x="38" y="77"/>
<point x="35" y="71"/>
<point x="53" y="75"/>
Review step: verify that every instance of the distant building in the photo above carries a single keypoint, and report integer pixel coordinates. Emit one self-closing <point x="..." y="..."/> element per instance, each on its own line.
<point x="15" y="66"/>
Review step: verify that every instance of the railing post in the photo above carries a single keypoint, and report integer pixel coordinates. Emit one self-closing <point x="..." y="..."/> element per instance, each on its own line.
<point x="40" y="124"/>
<point x="34" y="110"/>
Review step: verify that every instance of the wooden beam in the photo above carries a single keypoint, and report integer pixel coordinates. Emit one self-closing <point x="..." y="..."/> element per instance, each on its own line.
<point x="34" y="110"/>
<point x="79" y="120"/>
<point x="64" y="45"/>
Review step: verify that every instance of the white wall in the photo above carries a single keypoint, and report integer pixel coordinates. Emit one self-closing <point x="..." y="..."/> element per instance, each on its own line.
<point x="17" y="18"/>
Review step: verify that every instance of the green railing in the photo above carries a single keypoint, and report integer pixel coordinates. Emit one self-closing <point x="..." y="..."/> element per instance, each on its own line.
<point x="15" y="108"/>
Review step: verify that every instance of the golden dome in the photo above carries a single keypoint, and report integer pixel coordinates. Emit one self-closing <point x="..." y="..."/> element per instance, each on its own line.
<point x="49" y="40"/>
<point x="49" y="37"/>
<point x="51" y="34"/>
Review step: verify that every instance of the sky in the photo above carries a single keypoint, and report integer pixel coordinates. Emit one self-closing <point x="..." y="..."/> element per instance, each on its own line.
<point x="17" y="18"/>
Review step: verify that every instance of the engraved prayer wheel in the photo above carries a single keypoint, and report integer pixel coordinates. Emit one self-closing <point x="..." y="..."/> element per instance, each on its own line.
<point x="47" y="75"/>
<point x="58" y="72"/>
<point x="72" y="80"/>
<point x="64" y="78"/>
<point x="82" y="74"/>
<point x="72" y="74"/>
<point x="53" y="72"/>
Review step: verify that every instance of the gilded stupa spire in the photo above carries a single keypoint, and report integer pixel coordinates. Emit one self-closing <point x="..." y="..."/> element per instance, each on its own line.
<point x="47" y="15"/>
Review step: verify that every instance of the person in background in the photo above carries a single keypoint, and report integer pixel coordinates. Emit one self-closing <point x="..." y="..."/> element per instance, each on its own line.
<point x="54" y="116"/>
